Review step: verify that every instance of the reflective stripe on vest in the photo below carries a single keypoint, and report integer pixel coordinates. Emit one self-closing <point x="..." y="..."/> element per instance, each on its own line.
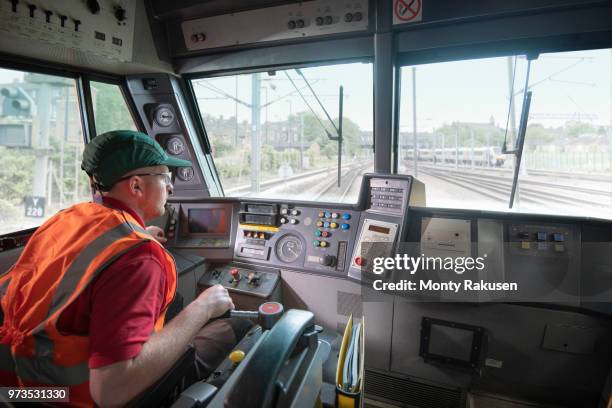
<point x="42" y="369"/>
<point x="38" y="353"/>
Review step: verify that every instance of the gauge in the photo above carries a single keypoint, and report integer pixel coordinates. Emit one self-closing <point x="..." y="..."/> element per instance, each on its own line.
<point x="175" y="145"/>
<point x="164" y="116"/>
<point x="185" y="173"/>
<point x="289" y="248"/>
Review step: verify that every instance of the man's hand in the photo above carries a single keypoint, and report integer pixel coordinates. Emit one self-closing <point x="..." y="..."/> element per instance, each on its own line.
<point x="157" y="233"/>
<point x="215" y="301"/>
<point x="118" y="383"/>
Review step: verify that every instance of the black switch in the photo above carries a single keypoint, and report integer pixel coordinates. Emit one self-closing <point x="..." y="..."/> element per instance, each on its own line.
<point x="14" y="4"/>
<point x="93" y="6"/>
<point x="32" y="8"/>
<point x="63" y="20"/>
<point x="120" y="13"/>
<point x="48" y="14"/>
<point x="77" y="23"/>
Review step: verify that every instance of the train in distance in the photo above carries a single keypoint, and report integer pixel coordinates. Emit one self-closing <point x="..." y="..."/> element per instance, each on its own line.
<point x="478" y="156"/>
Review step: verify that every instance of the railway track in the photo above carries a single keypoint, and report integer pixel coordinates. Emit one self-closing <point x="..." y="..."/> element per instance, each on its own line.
<point x="349" y="178"/>
<point x="497" y="187"/>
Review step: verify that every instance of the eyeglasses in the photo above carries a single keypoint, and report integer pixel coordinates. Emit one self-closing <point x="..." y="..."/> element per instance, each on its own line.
<point x="167" y="177"/>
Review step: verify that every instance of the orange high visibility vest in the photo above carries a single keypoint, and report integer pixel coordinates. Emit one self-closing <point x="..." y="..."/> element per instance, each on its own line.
<point x="61" y="258"/>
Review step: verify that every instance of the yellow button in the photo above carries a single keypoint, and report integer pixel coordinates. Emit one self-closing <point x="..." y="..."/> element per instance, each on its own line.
<point x="333" y="225"/>
<point x="319" y="223"/>
<point x="236" y="356"/>
<point x="525" y="245"/>
<point x="559" y="247"/>
<point x="323" y="244"/>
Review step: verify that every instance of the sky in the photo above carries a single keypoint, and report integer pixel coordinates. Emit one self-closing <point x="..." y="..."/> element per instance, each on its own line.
<point x="563" y="84"/>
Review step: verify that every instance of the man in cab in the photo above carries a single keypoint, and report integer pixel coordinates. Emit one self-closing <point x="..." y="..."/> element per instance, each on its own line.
<point x="84" y="306"/>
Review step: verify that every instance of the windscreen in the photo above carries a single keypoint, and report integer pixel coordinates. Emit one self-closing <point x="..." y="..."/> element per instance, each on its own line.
<point x="277" y="134"/>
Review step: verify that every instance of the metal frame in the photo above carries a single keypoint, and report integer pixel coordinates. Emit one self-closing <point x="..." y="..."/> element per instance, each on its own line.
<point x="192" y="103"/>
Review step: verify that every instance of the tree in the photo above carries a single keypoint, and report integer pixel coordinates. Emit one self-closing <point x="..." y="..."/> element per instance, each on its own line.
<point x="110" y="111"/>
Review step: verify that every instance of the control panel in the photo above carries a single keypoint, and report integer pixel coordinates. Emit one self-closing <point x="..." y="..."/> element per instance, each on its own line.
<point x="386" y="212"/>
<point x="248" y="281"/>
<point x="298" y="20"/>
<point x="296" y="236"/>
<point x="539" y="240"/>
<point x="102" y="27"/>
<point x="374" y="232"/>
<point x="311" y="237"/>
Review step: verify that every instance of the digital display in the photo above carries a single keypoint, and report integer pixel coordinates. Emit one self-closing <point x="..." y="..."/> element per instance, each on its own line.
<point x="377" y="228"/>
<point x="207" y="221"/>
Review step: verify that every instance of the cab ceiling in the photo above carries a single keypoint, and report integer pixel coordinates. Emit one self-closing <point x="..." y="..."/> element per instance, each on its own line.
<point x="165" y="10"/>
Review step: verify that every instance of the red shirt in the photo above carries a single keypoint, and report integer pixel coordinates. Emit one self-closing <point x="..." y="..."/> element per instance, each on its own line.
<point x="118" y="309"/>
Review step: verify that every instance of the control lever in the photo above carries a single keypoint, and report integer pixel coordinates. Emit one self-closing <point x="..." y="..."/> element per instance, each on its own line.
<point x="267" y="314"/>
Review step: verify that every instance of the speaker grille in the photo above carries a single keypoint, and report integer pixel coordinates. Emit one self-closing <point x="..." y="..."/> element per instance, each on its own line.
<point x="349" y="303"/>
<point x="413" y="393"/>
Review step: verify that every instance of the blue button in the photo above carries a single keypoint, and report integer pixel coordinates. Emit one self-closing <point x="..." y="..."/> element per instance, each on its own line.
<point x="345" y="226"/>
<point x="346" y="216"/>
<point x="559" y="237"/>
<point x="327" y="214"/>
<point x="542" y="236"/>
<point x="326" y="224"/>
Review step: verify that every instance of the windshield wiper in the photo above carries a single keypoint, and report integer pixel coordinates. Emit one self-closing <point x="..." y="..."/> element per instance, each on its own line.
<point x="520" y="138"/>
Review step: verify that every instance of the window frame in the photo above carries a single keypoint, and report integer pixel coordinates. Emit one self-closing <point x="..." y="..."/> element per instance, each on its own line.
<point x="491" y="49"/>
<point x="82" y="80"/>
<point x="119" y="81"/>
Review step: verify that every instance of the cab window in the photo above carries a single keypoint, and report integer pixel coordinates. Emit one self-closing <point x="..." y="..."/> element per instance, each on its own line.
<point x="110" y="108"/>
<point x="274" y="134"/>
<point x="41" y="143"/>
<point x="456" y="116"/>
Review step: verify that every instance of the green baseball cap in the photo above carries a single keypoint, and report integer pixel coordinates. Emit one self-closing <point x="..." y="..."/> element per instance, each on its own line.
<point x="111" y="155"/>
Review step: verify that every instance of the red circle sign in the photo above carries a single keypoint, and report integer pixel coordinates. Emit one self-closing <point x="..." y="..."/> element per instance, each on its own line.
<point x="407" y="10"/>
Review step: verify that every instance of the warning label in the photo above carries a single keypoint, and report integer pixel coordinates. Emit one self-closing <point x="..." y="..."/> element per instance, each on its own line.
<point x="407" y="11"/>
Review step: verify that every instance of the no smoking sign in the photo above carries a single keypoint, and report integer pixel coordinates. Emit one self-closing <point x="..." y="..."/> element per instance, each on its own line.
<point x="407" y="11"/>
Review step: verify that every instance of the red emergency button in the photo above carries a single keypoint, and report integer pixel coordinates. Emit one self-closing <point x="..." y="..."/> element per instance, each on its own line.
<point x="358" y="260"/>
<point x="235" y="274"/>
<point x="271" y="308"/>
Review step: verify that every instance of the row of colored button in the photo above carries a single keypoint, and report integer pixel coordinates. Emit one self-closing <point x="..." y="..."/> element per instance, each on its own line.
<point x="543" y="236"/>
<point x="324" y="234"/>
<point x="321" y="244"/>
<point x="543" y="246"/>
<point x="254" y="234"/>
<point x="334" y="215"/>
<point x="332" y="225"/>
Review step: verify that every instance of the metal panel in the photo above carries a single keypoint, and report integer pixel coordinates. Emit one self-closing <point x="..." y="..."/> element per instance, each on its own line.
<point x="321" y="294"/>
<point x="515" y="356"/>
<point x="35" y="38"/>
<point x="570" y="339"/>
<point x="384" y="95"/>
<point x="320" y="51"/>
<point x="525" y="31"/>
<point x="269" y="24"/>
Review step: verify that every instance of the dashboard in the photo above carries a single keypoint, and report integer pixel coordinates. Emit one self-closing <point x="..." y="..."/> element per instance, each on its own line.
<point x="316" y="237"/>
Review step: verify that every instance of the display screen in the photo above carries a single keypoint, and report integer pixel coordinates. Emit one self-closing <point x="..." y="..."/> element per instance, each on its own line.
<point x="207" y="221"/>
<point x="376" y="228"/>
